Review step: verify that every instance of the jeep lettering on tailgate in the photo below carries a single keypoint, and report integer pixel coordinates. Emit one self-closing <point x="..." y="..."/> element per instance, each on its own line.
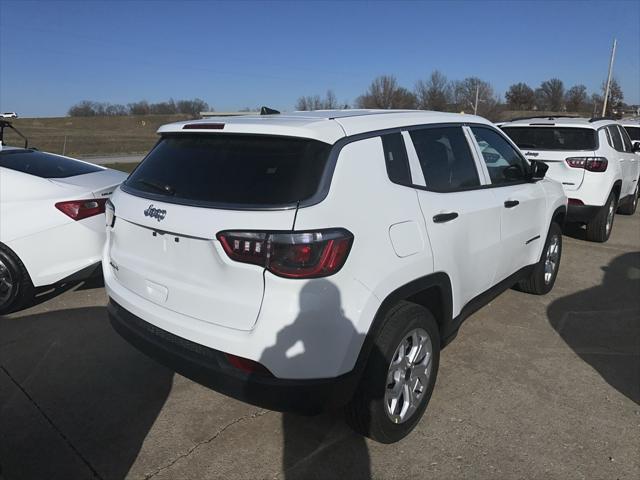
<point x="156" y="213"/>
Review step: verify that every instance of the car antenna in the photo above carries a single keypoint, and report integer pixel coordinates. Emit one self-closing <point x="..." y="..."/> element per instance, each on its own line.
<point x="268" y="111"/>
<point x="6" y="124"/>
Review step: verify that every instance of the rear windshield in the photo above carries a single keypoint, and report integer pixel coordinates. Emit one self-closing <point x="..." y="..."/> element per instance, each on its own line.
<point x="634" y="133"/>
<point x="232" y="169"/>
<point x="45" y="165"/>
<point x="553" y="138"/>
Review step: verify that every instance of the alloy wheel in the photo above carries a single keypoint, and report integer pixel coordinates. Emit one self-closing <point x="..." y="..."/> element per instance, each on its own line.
<point x="408" y="375"/>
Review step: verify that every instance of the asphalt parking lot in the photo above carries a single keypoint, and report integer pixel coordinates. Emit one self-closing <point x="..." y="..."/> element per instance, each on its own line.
<point x="533" y="387"/>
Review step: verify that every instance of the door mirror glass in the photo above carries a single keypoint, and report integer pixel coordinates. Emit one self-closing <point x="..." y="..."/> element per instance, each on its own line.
<point x="636" y="147"/>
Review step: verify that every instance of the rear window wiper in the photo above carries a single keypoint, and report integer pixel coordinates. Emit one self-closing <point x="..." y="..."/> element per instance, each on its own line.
<point x="162" y="187"/>
<point x="527" y="145"/>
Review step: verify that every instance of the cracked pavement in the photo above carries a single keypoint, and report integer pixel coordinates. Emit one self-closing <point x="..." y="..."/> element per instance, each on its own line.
<point x="535" y="387"/>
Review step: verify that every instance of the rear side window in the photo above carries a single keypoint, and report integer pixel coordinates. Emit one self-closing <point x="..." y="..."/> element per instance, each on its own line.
<point x="45" y="165"/>
<point x="445" y="158"/>
<point x="615" y="138"/>
<point x="395" y="158"/>
<point x="553" y="138"/>
<point x="634" y="133"/>
<point x="251" y="170"/>
<point x="626" y="142"/>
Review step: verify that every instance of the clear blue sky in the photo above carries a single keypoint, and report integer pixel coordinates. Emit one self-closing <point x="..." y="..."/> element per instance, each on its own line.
<point x="246" y="54"/>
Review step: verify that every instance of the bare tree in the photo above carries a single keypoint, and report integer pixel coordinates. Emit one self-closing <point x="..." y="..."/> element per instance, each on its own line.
<point x="435" y="93"/>
<point x="314" y="102"/>
<point x="616" y="97"/>
<point x="520" y="96"/>
<point x="464" y="96"/>
<point x="550" y="95"/>
<point x="576" y="98"/>
<point x="384" y="92"/>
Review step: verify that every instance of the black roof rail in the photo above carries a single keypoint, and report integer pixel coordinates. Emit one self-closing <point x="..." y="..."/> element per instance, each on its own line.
<point x="6" y="124"/>
<point x="268" y="111"/>
<point x="548" y="117"/>
<point x="596" y="119"/>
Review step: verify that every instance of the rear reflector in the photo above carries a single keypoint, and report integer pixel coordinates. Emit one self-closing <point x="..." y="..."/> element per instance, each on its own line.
<point x="203" y="126"/>
<point x="246" y="365"/>
<point x="592" y="164"/>
<point x="290" y="254"/>
<point x="575" y="201"/>
<point x="79" y="209"/>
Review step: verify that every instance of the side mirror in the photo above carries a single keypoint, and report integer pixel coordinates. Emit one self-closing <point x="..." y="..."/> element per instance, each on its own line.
<point x="636" y="147"/>
<point x="538" y="170"/>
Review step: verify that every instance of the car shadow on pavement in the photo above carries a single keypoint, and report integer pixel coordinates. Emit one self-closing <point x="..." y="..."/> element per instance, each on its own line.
<point x="321" y="446"/>
<point x="602" y="324"/>
<point x="76" y="401"/>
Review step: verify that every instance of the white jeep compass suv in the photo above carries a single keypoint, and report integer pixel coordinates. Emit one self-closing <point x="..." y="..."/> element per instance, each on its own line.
<point x="594" y="160"/>
<point x="320" y="259"/>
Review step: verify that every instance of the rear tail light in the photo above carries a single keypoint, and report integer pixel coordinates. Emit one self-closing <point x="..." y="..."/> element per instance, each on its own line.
<point x="79" y="209"/>
<point x="291" y="254"/>
<point x="592" y="164"/>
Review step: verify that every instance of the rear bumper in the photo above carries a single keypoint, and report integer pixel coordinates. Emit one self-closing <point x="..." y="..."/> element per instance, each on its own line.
<point x="211" y="368"/>
<point x="581" y="213"/>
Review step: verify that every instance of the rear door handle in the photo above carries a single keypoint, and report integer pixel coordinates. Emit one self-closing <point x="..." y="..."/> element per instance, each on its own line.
<point x="445" y="217"/>
<point x="511" y="203"/>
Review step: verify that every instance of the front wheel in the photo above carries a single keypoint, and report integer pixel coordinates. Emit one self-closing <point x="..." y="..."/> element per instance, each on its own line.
<point x="544" y="273"/>
<point x="399" y="376"/>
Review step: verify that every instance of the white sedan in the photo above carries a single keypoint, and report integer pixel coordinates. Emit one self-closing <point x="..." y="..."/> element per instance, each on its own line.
<point x="52" y="221"/>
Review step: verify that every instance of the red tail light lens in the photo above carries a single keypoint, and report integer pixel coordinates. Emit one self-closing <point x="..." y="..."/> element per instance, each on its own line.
<point x="79" y="209"/>
<point x="592" y="164"/>
<point x="291" y="254"/>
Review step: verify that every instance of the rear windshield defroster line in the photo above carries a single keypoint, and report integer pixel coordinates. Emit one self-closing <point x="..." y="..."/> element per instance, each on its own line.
<point x="553" y="138"/>
<point x="234" y="170"/>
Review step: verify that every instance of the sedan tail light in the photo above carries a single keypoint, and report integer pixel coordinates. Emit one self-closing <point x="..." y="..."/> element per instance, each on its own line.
<point x="592" y="164"/>
<point x="290" y="254"/>
<point x="79" y="209"/>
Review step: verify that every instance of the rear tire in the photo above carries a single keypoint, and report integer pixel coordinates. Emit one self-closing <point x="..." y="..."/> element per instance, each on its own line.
<point x="599" y="229"/>
<point x="545" y="272"/>
<point x="16" y="289"/>
<point x="399" y="376"/>
<point x="628" y="207"/>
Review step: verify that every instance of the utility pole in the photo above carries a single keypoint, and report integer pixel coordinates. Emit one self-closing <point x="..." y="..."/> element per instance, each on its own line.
<point x="475" y="106"/>
<point x="606" y="92"/>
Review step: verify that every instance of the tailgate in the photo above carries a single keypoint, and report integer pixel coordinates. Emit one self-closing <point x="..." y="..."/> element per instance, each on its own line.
<point x="571" y="178"/>
<point x="169" y="255"/>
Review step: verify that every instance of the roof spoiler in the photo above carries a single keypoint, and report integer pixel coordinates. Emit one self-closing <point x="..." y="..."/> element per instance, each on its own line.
<point x="6" y="124"/>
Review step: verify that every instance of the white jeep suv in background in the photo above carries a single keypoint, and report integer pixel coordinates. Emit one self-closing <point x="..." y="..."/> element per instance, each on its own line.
<point x="594" y="160"/>
<point x="320" y="259"/>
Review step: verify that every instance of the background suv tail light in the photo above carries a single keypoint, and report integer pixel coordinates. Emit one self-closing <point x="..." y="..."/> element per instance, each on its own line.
<point x="592" y="164"/>
<point x="79" y="209"/>
<point x="290" y="254"/>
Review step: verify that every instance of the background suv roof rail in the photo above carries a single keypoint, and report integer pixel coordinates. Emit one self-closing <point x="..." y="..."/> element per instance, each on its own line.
<point x="597" y="119"/>
<point x="548" y="117"/>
